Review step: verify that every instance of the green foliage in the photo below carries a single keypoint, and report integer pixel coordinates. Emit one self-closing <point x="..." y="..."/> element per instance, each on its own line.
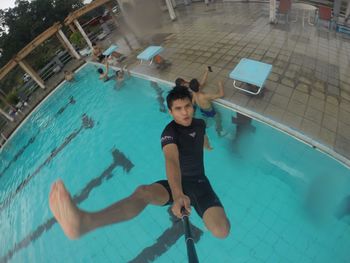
<point x="77" y="39"/>
<point x="27" y="20"/>
<point x="12" y="97"/>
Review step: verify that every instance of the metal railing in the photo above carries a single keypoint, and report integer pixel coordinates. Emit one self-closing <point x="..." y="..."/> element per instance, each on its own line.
<point x="45" y="73"/>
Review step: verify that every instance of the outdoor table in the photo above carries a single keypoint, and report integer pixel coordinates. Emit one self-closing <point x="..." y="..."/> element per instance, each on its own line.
<point x="149" y="53"/>
<point x="307" y="9"/>
<point x="251" y="72"/>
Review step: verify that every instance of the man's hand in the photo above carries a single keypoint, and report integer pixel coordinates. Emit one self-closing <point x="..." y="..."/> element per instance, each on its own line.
<point x="180" y="202"/>
<point x="208" y="147"/>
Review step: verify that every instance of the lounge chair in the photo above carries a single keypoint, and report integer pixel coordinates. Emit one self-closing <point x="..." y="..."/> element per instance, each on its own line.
<point x="149" y="53"/>
<point x="251" y="72"/>
<point x="111" y="51"/>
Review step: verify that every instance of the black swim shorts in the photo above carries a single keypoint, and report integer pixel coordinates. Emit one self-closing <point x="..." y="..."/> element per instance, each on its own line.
<point x="199" y="191"/>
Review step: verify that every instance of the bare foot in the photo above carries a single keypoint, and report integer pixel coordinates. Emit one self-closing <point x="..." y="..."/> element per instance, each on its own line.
<point x="65" y="211"/>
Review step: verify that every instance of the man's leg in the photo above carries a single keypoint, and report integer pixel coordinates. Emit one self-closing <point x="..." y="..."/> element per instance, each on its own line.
<point x="76" y="222"/>
<point x="216" y="221"/>
<point x="218" y="124"/>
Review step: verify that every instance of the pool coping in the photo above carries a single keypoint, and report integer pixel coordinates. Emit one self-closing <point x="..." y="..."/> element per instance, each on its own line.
<point x="227" y="104"/>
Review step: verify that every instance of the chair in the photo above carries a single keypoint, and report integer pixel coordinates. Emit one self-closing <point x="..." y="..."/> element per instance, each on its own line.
<point x="110" y="50"/>
<point x="149" y="53"/>
<point x="251" y="72"/>
<point x="114" y="55"/>
<point x="284" y="8"/>
<point x="325" y="13"/>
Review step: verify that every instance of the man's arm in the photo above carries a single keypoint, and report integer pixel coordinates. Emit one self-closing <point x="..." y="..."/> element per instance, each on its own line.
<point x="172" y="165"/>
<point x="207" y="143"/>
<point x="204" y="79"/>
<point x="217" y="95"/>
<point x="107" y="69"/>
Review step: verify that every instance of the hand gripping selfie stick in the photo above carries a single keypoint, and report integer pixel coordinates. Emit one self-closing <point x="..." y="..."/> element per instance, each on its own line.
<point x="191" y="250"/>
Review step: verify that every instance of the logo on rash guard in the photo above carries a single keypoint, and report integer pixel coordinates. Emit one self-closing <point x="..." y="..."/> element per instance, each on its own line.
<point x="166" y="138"/>
<point x="193" y="134"/>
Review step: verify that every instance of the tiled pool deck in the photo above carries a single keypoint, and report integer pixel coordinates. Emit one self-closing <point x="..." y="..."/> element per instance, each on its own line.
<point x="309" y="88"/>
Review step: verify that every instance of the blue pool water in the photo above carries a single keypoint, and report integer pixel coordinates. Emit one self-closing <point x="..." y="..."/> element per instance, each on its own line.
<point x="280" y="195"/>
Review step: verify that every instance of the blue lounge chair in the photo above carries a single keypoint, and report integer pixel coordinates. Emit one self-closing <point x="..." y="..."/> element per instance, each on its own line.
<point x="149" y="53"/>
<point x="110" y="50"/>
<point x="251" y="72"/>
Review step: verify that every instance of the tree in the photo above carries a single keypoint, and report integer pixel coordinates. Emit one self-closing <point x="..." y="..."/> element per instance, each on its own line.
<point x="21" y="24"/>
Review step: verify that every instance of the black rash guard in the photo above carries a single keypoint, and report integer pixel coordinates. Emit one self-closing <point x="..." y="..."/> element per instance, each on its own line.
<point x="189" y="141"/>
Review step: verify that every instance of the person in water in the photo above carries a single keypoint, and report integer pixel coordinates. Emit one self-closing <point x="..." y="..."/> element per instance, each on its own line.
<point x="182" y="141"/>
<point x="120" y="77"/>
<point x="103" y="75"/>
<point x="204" y="101"/>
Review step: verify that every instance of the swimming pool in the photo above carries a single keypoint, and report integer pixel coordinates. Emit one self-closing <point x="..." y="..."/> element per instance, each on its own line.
<point x="280" y="195"/>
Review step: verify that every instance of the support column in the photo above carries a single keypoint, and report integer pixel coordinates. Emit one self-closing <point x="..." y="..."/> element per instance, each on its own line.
<point x="30" y="71"/>
<point x="72" y="28"/>
<point x="82" y="32"/>
<point x="272" y="11"/>
<point x="170" y="9"/>
<point x="3" y="99"/>
<point x="6" y="115"/>
<point x="65" y="42"/>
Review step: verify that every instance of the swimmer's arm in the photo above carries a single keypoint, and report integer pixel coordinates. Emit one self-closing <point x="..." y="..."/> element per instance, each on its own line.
<point x="217" y="95"/>
<point x="204" y="79"/>
<point x="172" y="165"/>
<point x="207" y="143"/>
<point x="107" y="69"/>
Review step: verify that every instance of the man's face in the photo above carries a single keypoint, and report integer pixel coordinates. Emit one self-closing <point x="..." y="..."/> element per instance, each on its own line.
<point x="182" y="111"/>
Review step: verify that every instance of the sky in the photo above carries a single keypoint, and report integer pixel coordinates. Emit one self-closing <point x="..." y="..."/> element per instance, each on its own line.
<point x="6" y="3"/>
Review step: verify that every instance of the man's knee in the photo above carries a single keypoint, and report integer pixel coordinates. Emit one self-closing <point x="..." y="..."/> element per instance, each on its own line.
<point x="143" y="192"/>
<point x="221" y="230"/>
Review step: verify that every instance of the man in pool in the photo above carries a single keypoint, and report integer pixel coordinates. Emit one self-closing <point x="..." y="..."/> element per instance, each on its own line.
<point x="103" y="75"/>
<point x="120" y="77"/>
<point x="204" y="102"/>
<point x="182" y="140"/>
<point x="185" y="83"/>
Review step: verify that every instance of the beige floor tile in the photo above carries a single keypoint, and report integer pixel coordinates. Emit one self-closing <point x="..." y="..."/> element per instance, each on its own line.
<point x="310" y="128"/>
<point x="279" y="101"/>
<point x="316" y="103"/>
<point x="296" y="107"/>
<point x="292" y="120"/>
<point x="327" y="137"/>
<point x="314" y="115"/>
<point x="300" y="96"/>
<point x="274" y="112"/>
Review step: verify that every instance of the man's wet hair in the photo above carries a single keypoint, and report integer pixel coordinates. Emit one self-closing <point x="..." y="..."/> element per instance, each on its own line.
<point x="194" y="85"/>
<point x="179" y="81"/>
<point x="100" y="70"/>
<point x="177" y="93"/>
